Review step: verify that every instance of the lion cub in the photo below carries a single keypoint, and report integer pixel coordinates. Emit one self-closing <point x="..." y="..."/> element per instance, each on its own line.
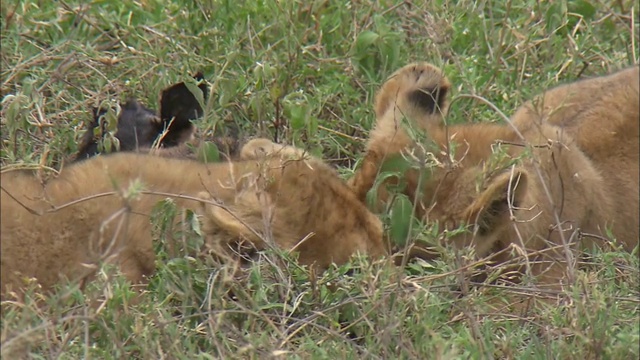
<point x="565" y="175"/>
<point x="89" y="214"/>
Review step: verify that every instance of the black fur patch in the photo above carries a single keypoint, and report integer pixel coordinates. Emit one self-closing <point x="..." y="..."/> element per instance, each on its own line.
<point x="139" y="126"/>
<point x="431" y="100"/>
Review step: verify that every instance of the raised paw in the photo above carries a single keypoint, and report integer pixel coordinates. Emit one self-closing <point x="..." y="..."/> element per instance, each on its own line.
<point x="417" y="89"/>
<point x="260" y="148"/>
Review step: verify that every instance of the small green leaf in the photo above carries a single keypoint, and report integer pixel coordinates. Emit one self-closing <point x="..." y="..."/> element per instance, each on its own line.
<point x="195" y="223"/>
<point x="275" y="92"/>
<point x="109" y="144"/>
<point x="226" y="91"/>
<point x="296" y="108"/>
<point x="110" y="117"/>
<point x="192" y="86"/>
<point x="298" y="116"/>
<point x="583" y="8"/>
<point x="419" y="266"/>
<point x="372" y="195"/>
<point x="555" y="17"/>
<point x="365" y="39"/>
<point x="258" y="75"/>
<point x="395" y="163"/>
<point x="401" y="216"/>
<point x="312" y="125"/>
<point x="208" y="153"/>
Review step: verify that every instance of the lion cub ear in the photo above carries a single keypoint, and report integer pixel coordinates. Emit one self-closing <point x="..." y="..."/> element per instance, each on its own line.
<point x="493" y="208"/>
<point x="418" y="90"/>
<point x="178" y="106"/>
<point x="242" y="219"/>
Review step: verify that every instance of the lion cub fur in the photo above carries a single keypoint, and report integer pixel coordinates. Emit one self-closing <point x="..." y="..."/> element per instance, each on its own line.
<point x="571" y="174"/>
<point x="64" y="228"/>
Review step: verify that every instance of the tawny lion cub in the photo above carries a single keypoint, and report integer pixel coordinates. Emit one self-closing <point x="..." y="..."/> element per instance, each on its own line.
<point x="565" y="176"/>
<point x="63" y="229"/>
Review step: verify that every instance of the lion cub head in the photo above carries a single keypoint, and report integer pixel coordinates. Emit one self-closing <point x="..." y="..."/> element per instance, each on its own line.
<point x="295" y="202"/>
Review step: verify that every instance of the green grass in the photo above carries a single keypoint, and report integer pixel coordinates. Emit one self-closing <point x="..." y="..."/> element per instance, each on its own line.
<point x="304" y="72"/>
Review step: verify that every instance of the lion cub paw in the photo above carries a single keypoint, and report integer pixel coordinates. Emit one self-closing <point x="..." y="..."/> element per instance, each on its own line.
<point x="419" y="88"/>
<point x="261" y="148"/>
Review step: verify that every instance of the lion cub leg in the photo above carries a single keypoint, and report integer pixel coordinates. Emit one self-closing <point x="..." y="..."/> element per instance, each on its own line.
<point x="414" y="96"/>
<point x="132" y="251"/>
